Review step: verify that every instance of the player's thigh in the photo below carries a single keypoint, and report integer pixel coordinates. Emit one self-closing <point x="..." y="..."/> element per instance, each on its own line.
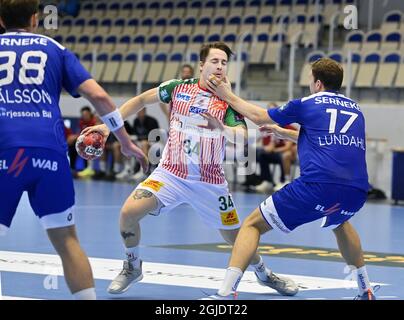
<point x="63" y="239"/>
<point x="254" y="220"/>
<point x="140" y="203"/>
<point x="301" y="202"/>
<point x="214" y="204"/>
<point x="159" y="193"/>
<point x="12" y="183"/>
<point x="52" y="194"/>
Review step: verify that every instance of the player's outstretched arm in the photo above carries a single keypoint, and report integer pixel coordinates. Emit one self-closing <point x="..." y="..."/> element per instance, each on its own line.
<point x="222" y="89"/>
<point x="129" y="108"/>
<point x="279" y="132"/>
<point x="104" y="105"/>
<point x="137" y="103"/>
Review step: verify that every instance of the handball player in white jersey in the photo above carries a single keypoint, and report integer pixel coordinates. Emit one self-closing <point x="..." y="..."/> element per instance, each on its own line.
<point x="191" y="166"/>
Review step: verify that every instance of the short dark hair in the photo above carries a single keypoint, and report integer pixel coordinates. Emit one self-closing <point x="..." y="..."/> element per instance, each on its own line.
<point x="215" y="45"/>
<point x="85" y="108"/>
<point x="17" y="13"/>
<point x="329" y="72"/>
<point x="188" y="66"/>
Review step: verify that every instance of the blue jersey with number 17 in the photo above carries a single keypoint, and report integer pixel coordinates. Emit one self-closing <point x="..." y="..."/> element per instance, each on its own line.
<point x="332" y="142"/>
<point x="33" y="71"/>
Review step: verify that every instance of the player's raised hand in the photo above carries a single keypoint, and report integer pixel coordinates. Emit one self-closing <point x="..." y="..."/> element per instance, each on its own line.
<point x="100" y="128"/>
<point x="221" y="88"/>
<point x="212" y="122"/>
<point x="129" y="149"/>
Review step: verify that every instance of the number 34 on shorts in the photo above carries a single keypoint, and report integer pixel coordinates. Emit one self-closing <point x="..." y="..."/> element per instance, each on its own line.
<point x="228" y="213"/>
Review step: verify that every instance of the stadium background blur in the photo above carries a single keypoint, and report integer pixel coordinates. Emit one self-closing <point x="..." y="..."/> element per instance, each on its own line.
<point x="131" y="46"/>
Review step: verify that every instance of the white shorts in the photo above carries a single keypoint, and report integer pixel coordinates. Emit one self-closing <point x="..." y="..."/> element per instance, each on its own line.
<point x="212" y="202"/>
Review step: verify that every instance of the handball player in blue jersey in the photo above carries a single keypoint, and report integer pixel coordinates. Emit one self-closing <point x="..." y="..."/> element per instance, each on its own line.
<point x="33" y="149"/>
<point x="333" y="184"/>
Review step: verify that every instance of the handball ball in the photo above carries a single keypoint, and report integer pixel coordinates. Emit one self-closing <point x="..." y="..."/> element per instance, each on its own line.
<point x="91" y="145"/>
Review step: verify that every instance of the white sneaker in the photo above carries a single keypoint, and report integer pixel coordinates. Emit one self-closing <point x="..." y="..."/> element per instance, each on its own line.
<point x="138" y="176"/>
<point x="217" y="296"/>
<point x="123" y="175"/>
<point x="284" y="285"/>
<point x="280" y="185"/>
<point x="125" y="278"/>
<point x="264" y="187"/>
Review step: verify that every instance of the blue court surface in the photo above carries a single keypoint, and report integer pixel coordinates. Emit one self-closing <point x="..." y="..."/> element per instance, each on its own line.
<point x="185" y="259"/>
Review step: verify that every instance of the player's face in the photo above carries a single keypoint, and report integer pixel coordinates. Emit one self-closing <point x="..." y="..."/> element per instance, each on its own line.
<point x="215" y="63"/>
<point x="186" y="73"/>
<point x="85" y="115"/>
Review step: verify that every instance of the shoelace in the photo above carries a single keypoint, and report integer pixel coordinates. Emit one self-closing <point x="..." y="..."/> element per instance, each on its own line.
<point x="369" y="292"/>
<point x="274" y="278"/>
<point x="126" y="269"/>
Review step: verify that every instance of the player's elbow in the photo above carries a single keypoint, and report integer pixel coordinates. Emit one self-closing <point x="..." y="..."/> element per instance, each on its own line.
<point x="98" y="97"/>
<point x="92" y="91"/>
<point x="259" y="117"/>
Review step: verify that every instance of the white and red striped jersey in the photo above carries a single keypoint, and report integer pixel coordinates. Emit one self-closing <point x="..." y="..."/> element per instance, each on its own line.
<point x="193" y="152"/>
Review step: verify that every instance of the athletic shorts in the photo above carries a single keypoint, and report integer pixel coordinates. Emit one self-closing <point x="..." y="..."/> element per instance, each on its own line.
<point x="302" y="202"/>
<point x="45" y="175"/>
<point x="213" y="202"/>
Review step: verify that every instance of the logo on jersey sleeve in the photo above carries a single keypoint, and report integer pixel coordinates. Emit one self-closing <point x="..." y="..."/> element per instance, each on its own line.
<point x="152" y="184"/>
<point x="229" y="218"/>
<point x="239" y="117"/>
<point x="164" y="94"/>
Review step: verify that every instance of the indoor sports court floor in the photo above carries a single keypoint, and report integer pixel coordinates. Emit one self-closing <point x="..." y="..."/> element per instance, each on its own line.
<point x="185" y="259"/>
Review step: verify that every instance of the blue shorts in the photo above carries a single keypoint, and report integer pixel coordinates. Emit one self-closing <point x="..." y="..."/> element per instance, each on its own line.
<point x="45" y="175"/>
<point x="302" y="202"/>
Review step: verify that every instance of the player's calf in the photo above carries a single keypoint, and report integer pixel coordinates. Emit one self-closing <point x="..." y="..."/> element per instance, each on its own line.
<point x="76" y="267"/>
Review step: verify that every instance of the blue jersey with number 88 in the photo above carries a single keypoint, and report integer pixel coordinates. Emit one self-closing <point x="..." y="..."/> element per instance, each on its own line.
<point x="33" y="71"/>
<point x="332" y="141"/>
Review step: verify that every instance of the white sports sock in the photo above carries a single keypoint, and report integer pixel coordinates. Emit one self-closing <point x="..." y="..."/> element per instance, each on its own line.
<point x="103" y="166"/>
<point x="132" y="254"/>
<point x="231" y="281"/>
<point x="117" y="167"/>
<point x="127" y="165"/>
<point x="363" y="280"/>
<point x="260" y="269"/>
<point x="86" y="294"/>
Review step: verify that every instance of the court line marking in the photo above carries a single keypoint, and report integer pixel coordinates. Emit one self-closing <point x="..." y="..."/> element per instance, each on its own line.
<point x="161" y="273"/>
<point x="16" y="298"/>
